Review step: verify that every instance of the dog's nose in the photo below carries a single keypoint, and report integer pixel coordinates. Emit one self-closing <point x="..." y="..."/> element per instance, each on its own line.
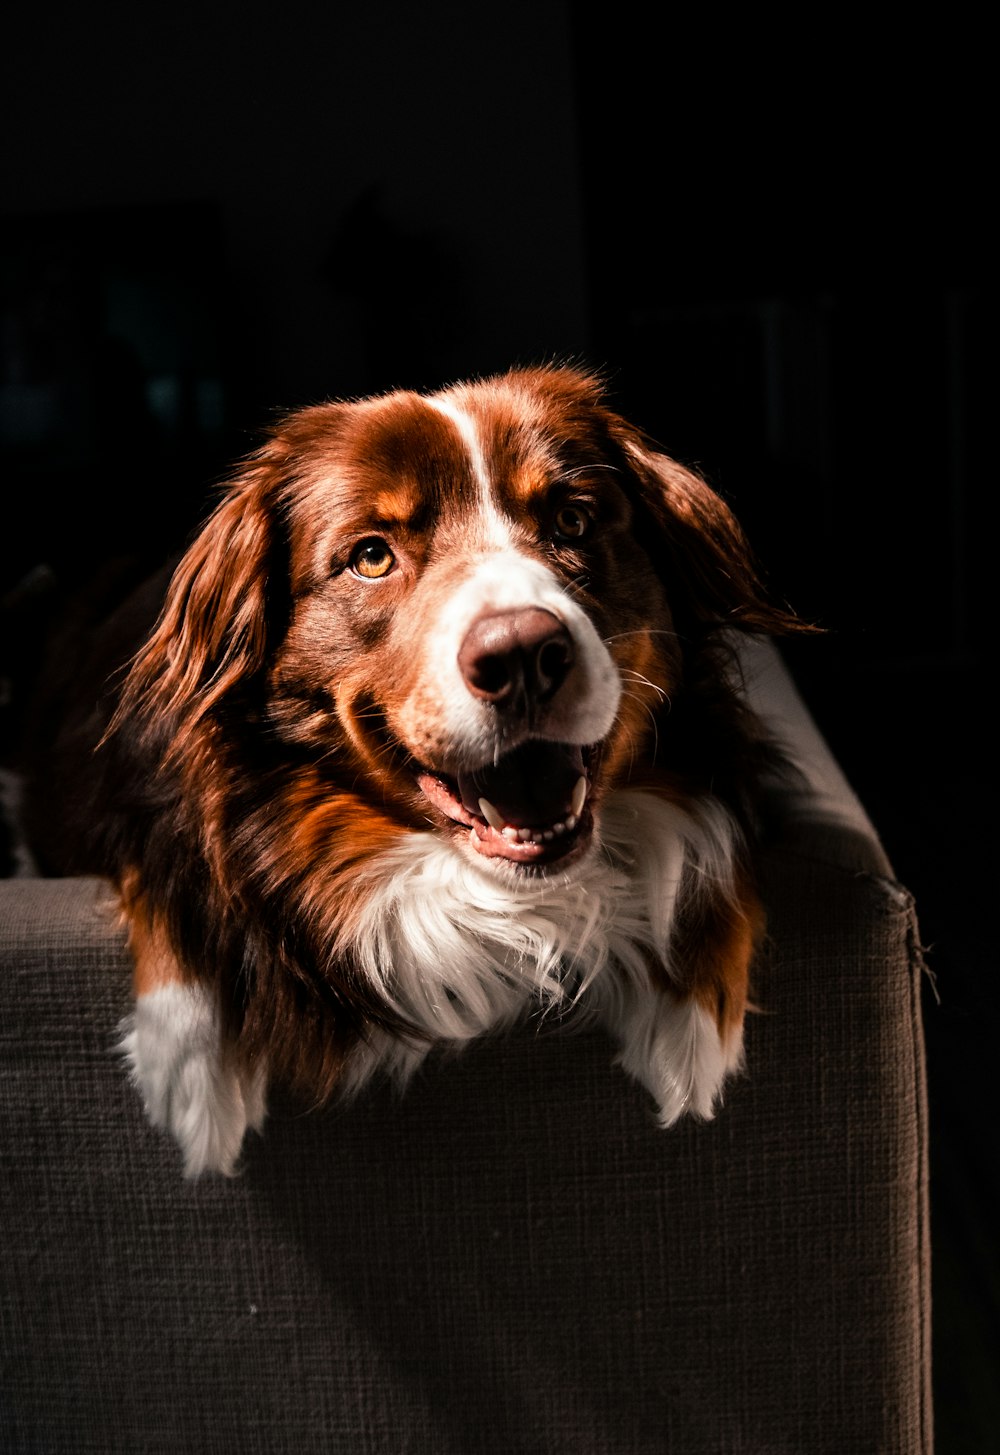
<point x="516" y="659"/>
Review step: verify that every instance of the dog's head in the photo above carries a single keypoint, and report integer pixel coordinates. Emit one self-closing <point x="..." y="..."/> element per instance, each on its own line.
<point x="471" y="608"/>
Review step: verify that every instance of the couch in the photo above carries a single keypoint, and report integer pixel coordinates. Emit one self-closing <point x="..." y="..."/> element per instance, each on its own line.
<point x="511" y="1257"/>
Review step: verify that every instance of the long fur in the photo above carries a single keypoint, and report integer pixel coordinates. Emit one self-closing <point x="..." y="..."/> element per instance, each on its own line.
<point x="278" y="795"/>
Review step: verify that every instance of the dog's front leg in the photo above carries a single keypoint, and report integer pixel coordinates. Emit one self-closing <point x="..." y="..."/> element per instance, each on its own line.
<point x="672" y="1046"/>
<point x="179" y="1060"/>
<point x="682" y="1036"/>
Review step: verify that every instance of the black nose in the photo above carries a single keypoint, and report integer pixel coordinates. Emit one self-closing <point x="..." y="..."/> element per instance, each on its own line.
<point x="517" y="660"/>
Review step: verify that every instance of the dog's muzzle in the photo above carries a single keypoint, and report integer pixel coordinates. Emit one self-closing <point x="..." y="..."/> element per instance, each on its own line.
<point x="530" y="805"/>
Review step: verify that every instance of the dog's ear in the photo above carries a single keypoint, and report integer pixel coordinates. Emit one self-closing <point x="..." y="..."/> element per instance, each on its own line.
<point x="213" y="631"/>
<point x="700" y="550"/>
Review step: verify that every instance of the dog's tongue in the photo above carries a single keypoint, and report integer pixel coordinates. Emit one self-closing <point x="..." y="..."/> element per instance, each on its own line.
<point x="532" y="785"/>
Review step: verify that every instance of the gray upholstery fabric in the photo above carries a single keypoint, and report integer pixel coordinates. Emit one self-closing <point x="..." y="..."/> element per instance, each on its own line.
<point x="510" y="1258"/>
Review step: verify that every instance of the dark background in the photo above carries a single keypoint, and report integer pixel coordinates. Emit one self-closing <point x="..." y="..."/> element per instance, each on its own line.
<point x="777" y="242"/>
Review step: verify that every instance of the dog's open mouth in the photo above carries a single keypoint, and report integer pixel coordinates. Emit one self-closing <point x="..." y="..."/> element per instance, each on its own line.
<point x="530" y="807"/>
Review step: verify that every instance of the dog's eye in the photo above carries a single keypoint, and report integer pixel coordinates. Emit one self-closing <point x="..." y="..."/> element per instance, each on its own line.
<point x="572" y="522"/>
<point x="372" y="559"/>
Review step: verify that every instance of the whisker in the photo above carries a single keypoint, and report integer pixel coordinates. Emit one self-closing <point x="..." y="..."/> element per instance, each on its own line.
<point x="577" y="587"/>
<point x="632" y="676"/>
<point x="632" y="749"/>
<point x="643" y="631"/>
<point x="588" y="470"/>
<point x="634" y="697"/>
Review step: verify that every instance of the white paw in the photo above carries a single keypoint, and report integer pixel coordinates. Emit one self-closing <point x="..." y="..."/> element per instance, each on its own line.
<point x="673" y="1048"/>
<point x="173" y="1048"/>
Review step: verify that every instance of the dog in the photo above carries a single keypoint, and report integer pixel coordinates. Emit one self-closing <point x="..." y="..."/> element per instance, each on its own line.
<point x="438" y="728"/>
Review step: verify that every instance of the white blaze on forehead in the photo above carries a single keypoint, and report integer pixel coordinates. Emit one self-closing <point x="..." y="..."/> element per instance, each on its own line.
<point x="441" y="720"/>
<point x="507" y="581"/>
<point x="497" y="529"/>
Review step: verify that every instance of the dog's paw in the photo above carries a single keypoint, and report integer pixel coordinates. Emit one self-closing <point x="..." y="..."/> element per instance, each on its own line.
<point x="172" y="1045"/>
<point x="674" y="1049"/>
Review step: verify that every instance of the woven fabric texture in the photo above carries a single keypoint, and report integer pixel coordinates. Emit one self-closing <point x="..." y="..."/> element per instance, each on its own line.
<point x="510" y="1258"/>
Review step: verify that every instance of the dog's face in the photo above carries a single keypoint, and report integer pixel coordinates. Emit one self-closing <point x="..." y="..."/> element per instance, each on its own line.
<point x="468" y="608"/>
<point x="470" y="604"/>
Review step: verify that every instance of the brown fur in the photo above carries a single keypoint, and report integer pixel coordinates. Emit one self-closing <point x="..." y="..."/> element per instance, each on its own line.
<point x="261" y="755"/>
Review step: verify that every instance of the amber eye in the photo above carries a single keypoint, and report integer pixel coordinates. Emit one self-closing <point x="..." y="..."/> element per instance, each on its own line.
<point x="371" y="559"/>
<point x="572" y="522"/>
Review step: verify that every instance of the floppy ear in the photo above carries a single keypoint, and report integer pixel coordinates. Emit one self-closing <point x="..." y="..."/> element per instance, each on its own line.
<point x="212" y="634"/>
<point x="700" y="550"/>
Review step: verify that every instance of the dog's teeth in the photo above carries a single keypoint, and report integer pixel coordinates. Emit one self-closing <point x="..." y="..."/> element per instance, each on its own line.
<point x="490" y="814"/>
<point x="579" y="797"/>
<point x="516" y="835"/>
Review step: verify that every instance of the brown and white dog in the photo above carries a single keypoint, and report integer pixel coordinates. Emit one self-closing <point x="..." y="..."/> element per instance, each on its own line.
<point x="437" y="728"/>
